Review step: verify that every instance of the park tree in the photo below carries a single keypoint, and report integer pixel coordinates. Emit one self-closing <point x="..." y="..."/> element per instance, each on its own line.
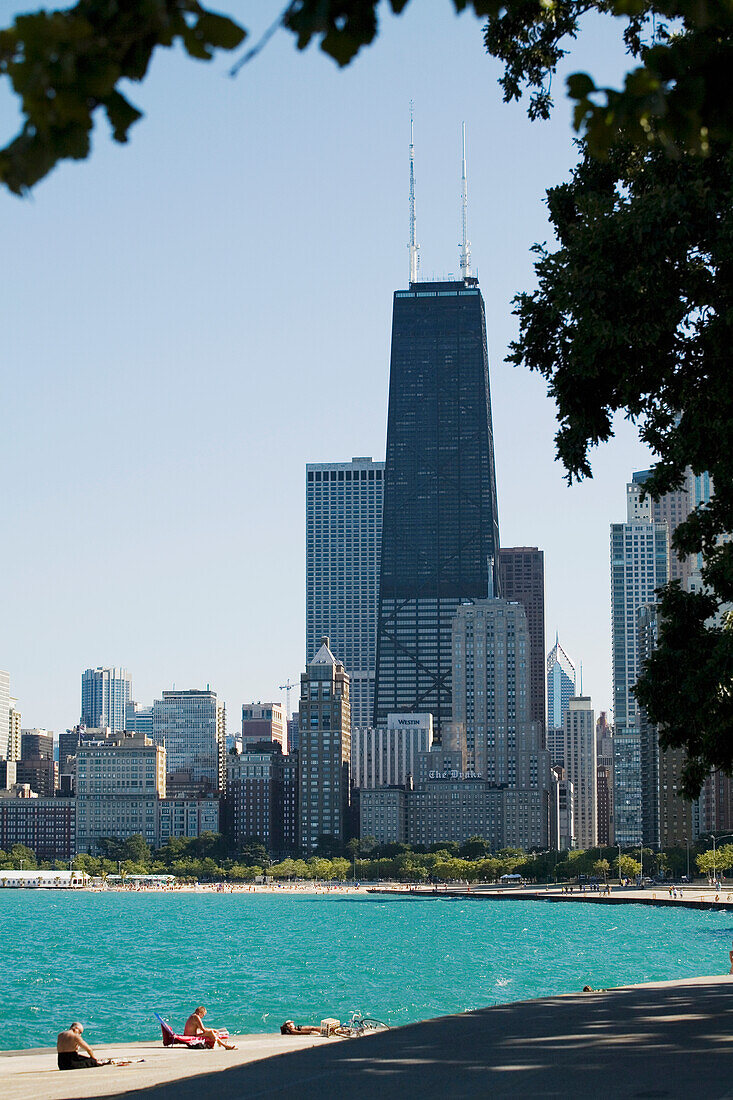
<point x="627" y="867"/>
<point x="601" y="867"/>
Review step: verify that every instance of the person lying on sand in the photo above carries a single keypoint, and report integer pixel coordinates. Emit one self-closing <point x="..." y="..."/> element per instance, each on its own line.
<point x="289" y="1028"/>
<point x="70" y="1054"/>
<point x="195" y="1026"/>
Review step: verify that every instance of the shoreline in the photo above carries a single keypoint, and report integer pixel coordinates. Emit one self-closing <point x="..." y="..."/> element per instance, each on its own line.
<point x="699" y="898"/>
<point x="671" y="1033"/>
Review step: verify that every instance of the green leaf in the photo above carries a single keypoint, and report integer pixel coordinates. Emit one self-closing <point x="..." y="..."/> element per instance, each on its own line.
<point x="121" y="115"/>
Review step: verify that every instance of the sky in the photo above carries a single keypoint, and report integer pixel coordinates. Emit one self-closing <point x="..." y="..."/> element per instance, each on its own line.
<point x="193" y="316"/>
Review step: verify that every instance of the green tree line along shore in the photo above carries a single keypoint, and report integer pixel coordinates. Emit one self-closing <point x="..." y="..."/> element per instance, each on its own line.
<point x="208" y="859"/>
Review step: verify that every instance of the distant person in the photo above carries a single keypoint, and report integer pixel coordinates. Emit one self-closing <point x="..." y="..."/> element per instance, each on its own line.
<point x="730" y="956"/>
<point x="70" y="1048"/>
<point x="195" y="1026"/>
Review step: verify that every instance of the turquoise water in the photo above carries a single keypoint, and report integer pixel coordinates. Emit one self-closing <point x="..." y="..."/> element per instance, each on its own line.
<point x="255" y="960"/>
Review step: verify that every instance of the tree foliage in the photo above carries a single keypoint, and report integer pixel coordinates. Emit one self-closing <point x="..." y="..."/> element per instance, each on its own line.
<point x="66" y="66"/>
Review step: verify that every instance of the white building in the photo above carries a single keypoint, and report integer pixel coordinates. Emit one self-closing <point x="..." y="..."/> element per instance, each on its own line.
<point x="14" y="734"/>
<point x="580" y="763"/>
<point x="385" y="757"/>
<point x="342" y="552"/>
<point x="639" y="565"/>
<point x="104" y="695"/>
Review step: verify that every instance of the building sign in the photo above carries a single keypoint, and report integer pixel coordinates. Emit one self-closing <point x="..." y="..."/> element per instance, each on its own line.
<point x="453" y="775"/>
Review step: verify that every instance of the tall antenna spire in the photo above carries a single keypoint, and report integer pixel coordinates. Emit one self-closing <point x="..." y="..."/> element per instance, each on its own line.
<point x="465" y="243"/>
<point x="413" y="247"/>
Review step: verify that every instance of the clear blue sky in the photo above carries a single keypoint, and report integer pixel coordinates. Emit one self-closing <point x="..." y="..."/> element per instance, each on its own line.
<point x="191" y="318"/>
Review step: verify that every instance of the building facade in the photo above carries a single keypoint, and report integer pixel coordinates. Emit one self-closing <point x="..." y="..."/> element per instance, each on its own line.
<point x="386" y="757"/>
<point x="262" y="797"/>
<point x="119" y="784"/>
<point x="562" y="810"/>
<point x="45" y="825"/>
<point x="15" y="731"/>
<point x="191" y="726"/>
<point x="560" y="690"/>
<point x="343" y="504"/>
<point x="440" y="527"/>
<point x="138" y="718"/>
<point x="4" y="714"/>
<point x="264" y="722"/>
<point x="325" y="749"/>
<point x="522" y="578"/>
<point x="36" y="765"/>
<point x="639" y="565"/>
<point x="186" y="817"/>
<point x="105" y="692"/>
<point x="581" y="764"/>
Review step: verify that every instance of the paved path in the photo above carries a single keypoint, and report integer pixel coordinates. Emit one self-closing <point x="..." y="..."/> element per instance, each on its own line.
<point x="691" y="897"/>
<point x="669" y="1039"/>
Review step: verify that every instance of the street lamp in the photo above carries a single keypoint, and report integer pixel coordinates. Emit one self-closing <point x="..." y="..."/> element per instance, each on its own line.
<point x="22" y="861"/>
<point x="712" y="837"/>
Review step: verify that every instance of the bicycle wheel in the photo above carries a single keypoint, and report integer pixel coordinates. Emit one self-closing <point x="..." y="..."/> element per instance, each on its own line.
<point x="370" y="1024"/>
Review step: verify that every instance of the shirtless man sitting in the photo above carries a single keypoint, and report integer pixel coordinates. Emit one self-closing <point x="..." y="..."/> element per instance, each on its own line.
<point x="195" y="1026"/>
<point x="68" y="1047"/>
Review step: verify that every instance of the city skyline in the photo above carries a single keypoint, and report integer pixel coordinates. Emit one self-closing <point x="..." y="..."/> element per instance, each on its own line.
<point x="181" y="577"/>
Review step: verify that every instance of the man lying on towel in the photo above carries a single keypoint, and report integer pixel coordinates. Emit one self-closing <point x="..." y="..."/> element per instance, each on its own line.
<point x="70" y="1049"/>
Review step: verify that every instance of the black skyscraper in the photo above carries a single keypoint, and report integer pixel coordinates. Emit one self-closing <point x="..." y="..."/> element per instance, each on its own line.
<point x="440" y="530"/>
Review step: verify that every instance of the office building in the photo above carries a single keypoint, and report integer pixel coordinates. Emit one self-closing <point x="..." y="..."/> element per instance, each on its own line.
<point x="191" y="726"/>
<point x="440" y="527"/>
<point x="118" y="786"/>
<point x="560" y="690"/>
<point x="186" y="817"/>
<point x="138" y="718"/>
<point x="264" y="722"/>
<point x="70" y="741"/>
<point x="386" y="757"/>
<point x="4" y="714"/>
<point x="36" y="765"/>
<point x="639" y="565"/>
<point x="343" y="502"/>
<point x="8" y="774"/>
<point x="14" y="730"/>
<point x="294" y="732"/>
<point x="325" y="749"/>
<point x="522" y="578"/>
<point x="45" y="825"/>
<point x="580" y="764"/>
<point x="672" y="509"/>
<point x="104" y="695"/>
<point x="562" y="810"/>
<point x="262" y="797"/>
<point x="383" y="814"/>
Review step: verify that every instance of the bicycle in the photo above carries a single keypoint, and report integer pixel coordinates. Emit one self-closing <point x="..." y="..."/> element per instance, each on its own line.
<point x="359" y="1025"/>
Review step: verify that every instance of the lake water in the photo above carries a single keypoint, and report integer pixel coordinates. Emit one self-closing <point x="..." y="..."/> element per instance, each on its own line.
<point x="111" y="960"/>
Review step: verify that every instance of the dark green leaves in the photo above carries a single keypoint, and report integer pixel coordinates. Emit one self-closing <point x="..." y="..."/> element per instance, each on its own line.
<point x="64" y="65"/>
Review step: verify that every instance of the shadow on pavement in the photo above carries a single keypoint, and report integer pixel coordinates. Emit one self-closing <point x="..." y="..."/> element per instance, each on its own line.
<point x="639" y="1042"/>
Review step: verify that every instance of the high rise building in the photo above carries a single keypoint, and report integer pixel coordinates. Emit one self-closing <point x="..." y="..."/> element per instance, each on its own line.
<point x="491" y="703"/>
<point x="4" y="714"/>
<point x="325" y="749"/>
<point x="264" y="722"/>
<point x="191" y="726"/>
<point x="385" y="757"/>
<point x="36" y="765"/>
<point x="45" y="825"/>
<point x="522" y="578"/>
<point x="580" y="763"/>
<point x="138" y="718"/>
<point x="639" y="565"/>
<point x="672" y="508"/>
<point x="261" y="798"/>
<point x="104" y="694"/>
<point x="343" y="502"/>
<point x="562" y="810"/>
<point x="118" y="787"/>
<point x="14" y="730"/>
<point x="440" y="528"/>
<point x="560" y="690"/>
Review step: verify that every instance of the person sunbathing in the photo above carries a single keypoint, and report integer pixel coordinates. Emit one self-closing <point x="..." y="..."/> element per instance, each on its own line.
<point x="195" y="1026"/>
<point x="289" y="1028"/>
<point x="70" y="1048"/>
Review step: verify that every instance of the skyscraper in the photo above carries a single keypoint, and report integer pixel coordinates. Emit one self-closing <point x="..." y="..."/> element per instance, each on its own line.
<point x="343" y="503"/>
<point x="522" y="578"/>
<point x="440" y="527"/>
<point x="491" y="702"/>
<point x="4" y="715"/>
<point x="325" y="748"/>
<point x="191" y="727"/>
<point x="579" y="753"/>
<point x="560" y="690"/>
<point x="139" y="718"/>
<point x="104" y="694"/>
<point x="639" y="565"/>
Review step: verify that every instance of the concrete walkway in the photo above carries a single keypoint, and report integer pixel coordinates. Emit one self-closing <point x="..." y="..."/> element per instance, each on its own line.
<point x="669" y="1039"/>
